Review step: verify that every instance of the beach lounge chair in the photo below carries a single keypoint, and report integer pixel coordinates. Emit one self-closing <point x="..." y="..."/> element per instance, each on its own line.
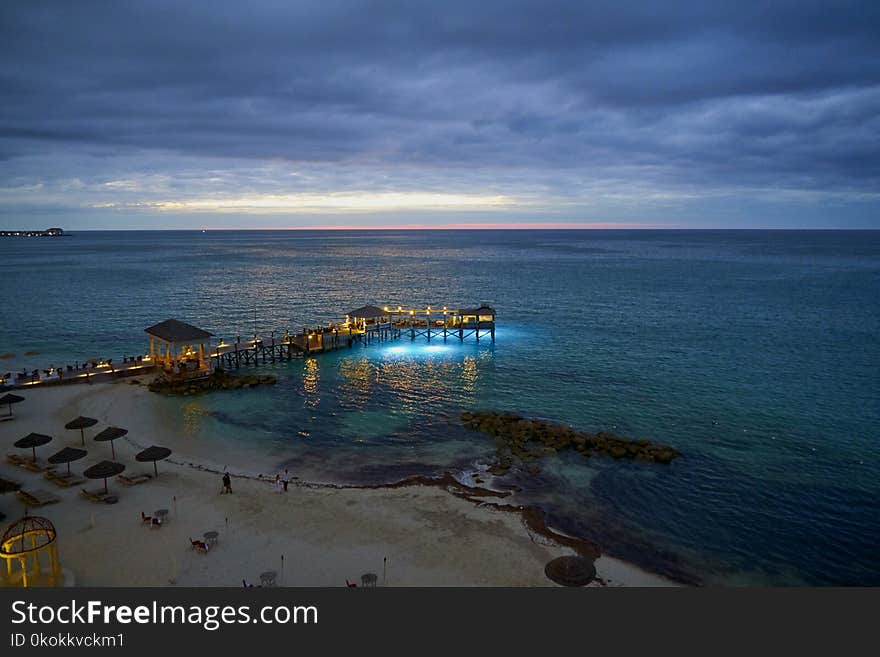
<point x="133" y="480"/>
<point x="199" y="546"/>
<point x="7" y="485"/>
<point x="62" y="479"/>
<point x="94" y="496"/>
<point x="26" y="463"/>
<point x="37" y="497"/>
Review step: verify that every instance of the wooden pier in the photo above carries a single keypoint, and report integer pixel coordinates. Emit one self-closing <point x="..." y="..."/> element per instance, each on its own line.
<point x="184" y="351"/>
<point x="365" y="325"/>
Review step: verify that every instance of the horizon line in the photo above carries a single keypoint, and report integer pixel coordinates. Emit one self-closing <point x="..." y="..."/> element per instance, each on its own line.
<point x="474" y="227"/>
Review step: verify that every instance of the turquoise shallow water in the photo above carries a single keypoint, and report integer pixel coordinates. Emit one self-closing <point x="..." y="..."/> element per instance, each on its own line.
<point x="756" y="353"/>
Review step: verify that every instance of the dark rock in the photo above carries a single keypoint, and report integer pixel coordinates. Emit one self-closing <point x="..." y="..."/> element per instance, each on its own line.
<point x="526" y="440"/>
<point x="219" y="380"/>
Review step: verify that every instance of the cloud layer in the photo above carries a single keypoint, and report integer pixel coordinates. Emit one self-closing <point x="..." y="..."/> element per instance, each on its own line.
<point x="696" y="113"/>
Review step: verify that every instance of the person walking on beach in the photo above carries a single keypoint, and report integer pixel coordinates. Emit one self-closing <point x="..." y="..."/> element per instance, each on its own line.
<point x="278" y="488"/>
<point x="227" y="483"/>
<point x="285" y="479"/>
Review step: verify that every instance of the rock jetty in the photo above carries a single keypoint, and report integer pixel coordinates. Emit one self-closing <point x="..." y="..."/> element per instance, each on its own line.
<point x="219" y="380"/>
<point x="524" y="439"/>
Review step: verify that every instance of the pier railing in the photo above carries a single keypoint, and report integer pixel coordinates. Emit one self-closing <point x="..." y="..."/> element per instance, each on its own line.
<point x="260" y="351"/>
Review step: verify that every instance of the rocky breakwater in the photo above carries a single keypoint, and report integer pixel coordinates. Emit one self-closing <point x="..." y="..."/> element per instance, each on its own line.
<point x="523" y="439"/>
<point x="219" y="380"/>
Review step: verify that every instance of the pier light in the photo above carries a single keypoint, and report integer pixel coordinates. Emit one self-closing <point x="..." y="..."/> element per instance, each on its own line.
<point x="399" y="308"/>
<point x="385" y="309"/>
<point x="412" y="312"/>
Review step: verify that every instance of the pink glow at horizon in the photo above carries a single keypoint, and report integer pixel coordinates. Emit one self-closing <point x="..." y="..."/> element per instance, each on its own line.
<point x="558" y="225"/>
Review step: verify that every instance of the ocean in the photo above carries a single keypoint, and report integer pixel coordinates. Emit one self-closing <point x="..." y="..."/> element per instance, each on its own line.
<point x="754" y="353"/>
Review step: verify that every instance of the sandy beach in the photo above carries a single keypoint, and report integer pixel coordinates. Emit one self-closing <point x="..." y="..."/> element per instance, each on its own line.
<point x="409" y="536"/>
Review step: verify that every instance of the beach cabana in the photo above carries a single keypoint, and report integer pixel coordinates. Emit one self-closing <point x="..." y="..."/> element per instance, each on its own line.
<point x="104" y="470"/>
<point x="174" y="343"/>
<point x="8" y="400"/>
<point x="482" y="317"/>
<point x="67" y="455"/>
<point x="153" y="453"/>
<point x="364" y="315"/>
<point x="81" y="423"/>
<point x="110" y="434"/>
<point x="32" y="441"/>
<point x="23" y="542"/>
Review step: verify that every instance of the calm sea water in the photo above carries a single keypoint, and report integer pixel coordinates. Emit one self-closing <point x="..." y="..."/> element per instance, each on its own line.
<point x="756" y="353"/>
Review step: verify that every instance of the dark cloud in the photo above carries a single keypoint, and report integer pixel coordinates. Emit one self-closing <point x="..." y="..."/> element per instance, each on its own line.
<point x="683" y="97"/>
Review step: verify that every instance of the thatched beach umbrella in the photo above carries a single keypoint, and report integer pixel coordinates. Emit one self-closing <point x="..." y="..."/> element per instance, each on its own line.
<point x="32" y="441"/>
<point x="153" y="453"/>
<point x="67" y="455"/>
<point x="81" y="423"/>
<point x="9" y="399"/>
<point x="571" y="571"/>
<point x="111" y="434"/>
<point x="103" y="470"/>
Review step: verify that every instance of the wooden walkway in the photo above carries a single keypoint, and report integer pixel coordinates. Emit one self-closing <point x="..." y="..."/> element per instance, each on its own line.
<point x="310" y="341"/>
<point x="393" y="325"/>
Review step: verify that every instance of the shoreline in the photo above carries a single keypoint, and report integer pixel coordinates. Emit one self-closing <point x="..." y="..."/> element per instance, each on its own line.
<point x="427" y="531"/>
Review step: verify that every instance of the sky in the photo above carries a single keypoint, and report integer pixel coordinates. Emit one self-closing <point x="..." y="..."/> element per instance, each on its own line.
<point x="285" y="114"/>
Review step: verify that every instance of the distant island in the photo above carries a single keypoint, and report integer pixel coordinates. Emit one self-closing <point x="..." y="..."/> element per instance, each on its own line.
<point x="49" y="232"/>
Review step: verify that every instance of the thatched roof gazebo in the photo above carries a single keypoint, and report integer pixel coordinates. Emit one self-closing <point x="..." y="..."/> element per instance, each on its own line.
<point x="32" y="441"/>
<point x="8" y="400"/>
<point x="153" y="453"/>
<point x="367" y="314"/>
<point x="104" y="470"/>
<point x="81" y="423"/>
<point x="173" y="341"/>
<point x="482" y="316"/>
<point x="25" y="540"/>
<point x="110" y="434"/>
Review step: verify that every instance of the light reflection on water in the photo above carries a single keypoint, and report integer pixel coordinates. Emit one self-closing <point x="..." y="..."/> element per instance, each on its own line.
<point x="749" y="351"/>
<point x="194" y="415"/>
<point x="311" y="381"/>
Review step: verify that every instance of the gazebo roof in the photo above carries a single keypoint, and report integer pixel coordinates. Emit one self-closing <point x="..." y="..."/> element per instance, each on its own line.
<point x="24" y="527"/>
<point x="173" y="330"/>
<point x="366" y="312"/>
<point x="482" y="310"/>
